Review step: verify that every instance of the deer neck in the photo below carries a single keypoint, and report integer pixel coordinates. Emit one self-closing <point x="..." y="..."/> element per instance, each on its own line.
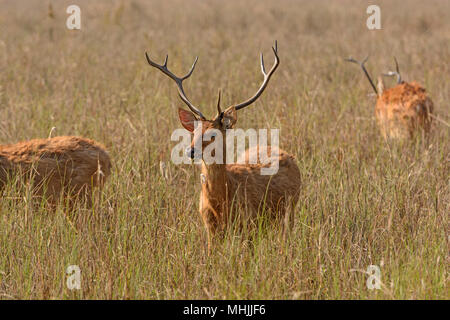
<point x="214" y="184"/>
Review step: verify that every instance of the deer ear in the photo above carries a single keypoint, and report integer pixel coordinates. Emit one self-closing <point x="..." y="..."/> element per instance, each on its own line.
<point x="187" y="119"/>
<point x="229" y="118"/>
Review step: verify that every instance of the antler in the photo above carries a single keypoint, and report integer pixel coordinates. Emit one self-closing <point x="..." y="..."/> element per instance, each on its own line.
<point x="361" y="64"/>
<point x="395" y="73"/>
<point x="219" y="110"/>
<point x="266" y="79"/>
<point x="178" y="81"/>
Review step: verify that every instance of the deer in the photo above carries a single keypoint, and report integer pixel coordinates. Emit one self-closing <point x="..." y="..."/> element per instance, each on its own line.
<point x="239" y="185"/>
<point x="56" y="166"/>
<point x="403" y="110"/>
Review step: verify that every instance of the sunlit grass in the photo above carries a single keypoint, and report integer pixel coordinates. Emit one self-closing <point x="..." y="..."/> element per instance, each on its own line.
<point x="364" y="201"/>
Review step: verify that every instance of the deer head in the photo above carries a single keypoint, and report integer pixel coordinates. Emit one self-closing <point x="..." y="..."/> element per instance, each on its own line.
<point x="224" y="120"/>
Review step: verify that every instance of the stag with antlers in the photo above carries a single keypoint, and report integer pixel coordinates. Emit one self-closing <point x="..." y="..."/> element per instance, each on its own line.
<point x="403" y="110"/>
<point x="232" y="190"/>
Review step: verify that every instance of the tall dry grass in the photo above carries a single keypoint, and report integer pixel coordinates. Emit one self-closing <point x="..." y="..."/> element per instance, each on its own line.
<point x="363" y="201"/>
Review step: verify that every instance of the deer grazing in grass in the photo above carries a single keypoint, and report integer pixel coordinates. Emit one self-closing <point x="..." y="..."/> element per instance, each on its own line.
<point x="403" y="110"/>
<point x="236" y="185"/>
<point x="72" y="164"/>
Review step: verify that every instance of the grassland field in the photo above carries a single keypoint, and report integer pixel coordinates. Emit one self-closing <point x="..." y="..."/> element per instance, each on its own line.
<point x="364" y="201"/>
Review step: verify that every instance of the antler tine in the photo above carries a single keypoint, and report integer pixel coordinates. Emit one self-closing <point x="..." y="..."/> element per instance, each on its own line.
<point x="263" y="70"/>
<point x="399" y="77"/>
<point x="191" y="70"/>
<point x="219" y="110"/>
<point x="266" y="78"/>
<point x="395" y="73"/>
<point x="179" y="81"/>
<point x="361" y="64"/>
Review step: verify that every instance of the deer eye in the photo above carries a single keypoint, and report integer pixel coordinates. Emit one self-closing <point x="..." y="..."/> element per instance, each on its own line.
<point x="226" y="122"/>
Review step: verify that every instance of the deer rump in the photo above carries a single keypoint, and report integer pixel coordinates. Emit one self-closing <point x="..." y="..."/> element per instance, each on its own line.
<point x="403" y="109"/>
<point x="70" y="164"/>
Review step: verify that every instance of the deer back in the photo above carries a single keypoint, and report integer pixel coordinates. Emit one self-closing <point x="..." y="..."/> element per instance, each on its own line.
<point x="72" y="163"/>
<point x="247" y="184"/>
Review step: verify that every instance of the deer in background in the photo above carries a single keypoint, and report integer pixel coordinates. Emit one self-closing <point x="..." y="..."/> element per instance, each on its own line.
<point x="72" y="164"/>
<point x="239" y="185"/>
<point x="403" y="110"/>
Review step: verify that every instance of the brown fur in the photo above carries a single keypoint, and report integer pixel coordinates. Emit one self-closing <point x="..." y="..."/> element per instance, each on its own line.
<point x="72" y="164"/>
<point x="242" y="185"/>
<point x="403" y="110"/>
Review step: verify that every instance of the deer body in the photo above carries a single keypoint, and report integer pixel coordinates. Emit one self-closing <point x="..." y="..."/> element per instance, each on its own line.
<point x="71" y="163"/>
<point x="403" y="110"/>
<point x="229" y="190"/>
<point x="232" y="189"/>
